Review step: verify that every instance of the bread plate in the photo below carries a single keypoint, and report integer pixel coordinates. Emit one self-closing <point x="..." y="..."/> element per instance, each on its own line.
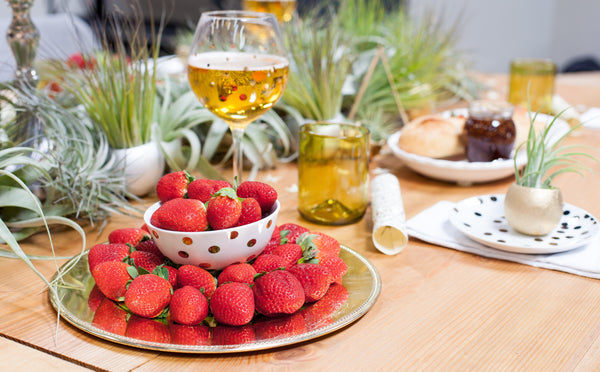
<point x="464" y="172"/>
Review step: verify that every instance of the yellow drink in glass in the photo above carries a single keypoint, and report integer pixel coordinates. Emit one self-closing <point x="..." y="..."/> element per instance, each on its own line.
<point x="237" y="87"/>
<point x="535" y="75"/>
<point x="333" y="172"/>
<point x="283" y="9"/>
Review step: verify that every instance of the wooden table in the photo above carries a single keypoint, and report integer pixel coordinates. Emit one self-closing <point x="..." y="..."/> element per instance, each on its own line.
<point x="439" y="309"/>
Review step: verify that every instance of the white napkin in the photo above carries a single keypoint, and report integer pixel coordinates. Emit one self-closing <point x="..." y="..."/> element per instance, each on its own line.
<point x="432" y="225"/>
<point x="591" y="118"/>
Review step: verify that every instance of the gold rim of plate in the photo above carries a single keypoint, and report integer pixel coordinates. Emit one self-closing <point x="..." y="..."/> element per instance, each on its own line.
<point x="362" y="282"/>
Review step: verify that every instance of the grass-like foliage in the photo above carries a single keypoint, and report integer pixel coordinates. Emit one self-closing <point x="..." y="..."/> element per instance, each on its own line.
<point x="547" y="159"/>
<point x="117" y="85"/>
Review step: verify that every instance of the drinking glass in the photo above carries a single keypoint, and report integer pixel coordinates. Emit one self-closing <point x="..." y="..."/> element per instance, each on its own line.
<point x="333" y="172"/>
<point x="238" y="69"/>
<point x="532" y="79"/>
<point x="283" y="9"/>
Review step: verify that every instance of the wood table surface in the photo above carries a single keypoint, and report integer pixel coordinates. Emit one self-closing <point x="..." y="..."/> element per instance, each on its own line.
<point x="439" y="309"/>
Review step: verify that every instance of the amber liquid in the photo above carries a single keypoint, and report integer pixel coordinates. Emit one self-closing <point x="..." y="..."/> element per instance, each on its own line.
<point x="237" y="87"/>
<point x="538" y="77"/>
<point x="283" y="9"/>
<point x="333" y="177"/>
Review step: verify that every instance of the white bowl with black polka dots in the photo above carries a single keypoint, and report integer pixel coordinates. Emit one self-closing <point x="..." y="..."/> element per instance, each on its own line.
<point x="217" y="249"/>
<point x="481" y="218"/>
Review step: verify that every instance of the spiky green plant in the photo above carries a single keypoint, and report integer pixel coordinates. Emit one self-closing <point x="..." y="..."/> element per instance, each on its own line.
<point x="75" y="172"/>
<point x="322" y="56"/>
<point x="548" y="158"/>
<point x="117" y="86"/>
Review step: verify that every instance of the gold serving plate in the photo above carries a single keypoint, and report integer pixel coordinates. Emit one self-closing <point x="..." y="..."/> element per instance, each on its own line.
<point x="77" y="301"/>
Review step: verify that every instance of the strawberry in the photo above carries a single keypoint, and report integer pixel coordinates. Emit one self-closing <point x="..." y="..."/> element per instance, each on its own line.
<point x="196" y="277"/>
<point x="173" y="185"/>
<point x="189" y="335"/>
<point x="188" y="306"/>
<point x="281" y="327"/>
<point x="145" y="228"/>
<point x="150" y="246"/>
<point x="228" y="335"/>
<point x="110" y="317"/>
<point x="251" y="212"/>
<point x="233" y="304"/>
<point x="172" y="274"/>
<point x="290" y="252"/>
<point x="262" y="192"/>
<point x="95" y="298"/>
<point x="318" y="245"/>
<point x="241" y="273"/>
<point x="106" y="252"/>
<point x="131" y="235"/>
<point x="146" y="260"/>
<point x="147" y="330"/>
<point x="224" y="209"/>
<point x="290" y="232"/>
<point x="112" y="278"/>
<point x="336" y="266"/>
<point x="274" y="242"/>
<point x="277" y="292"/>
<point x="148" y="295"/>
<point x="203" y="189"/>
<point x="182" y="215"/>
<point x="315" y="280"/>
<point x="320" y="313"/>
<point x="268" y="262"/>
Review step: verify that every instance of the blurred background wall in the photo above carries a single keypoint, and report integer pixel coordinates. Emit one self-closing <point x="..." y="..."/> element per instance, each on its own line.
<point x="492" y="32"/>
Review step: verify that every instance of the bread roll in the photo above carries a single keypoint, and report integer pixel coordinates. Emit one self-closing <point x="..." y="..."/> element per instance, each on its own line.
<point x="433" y="136"/>
<point x="522" y="125"/>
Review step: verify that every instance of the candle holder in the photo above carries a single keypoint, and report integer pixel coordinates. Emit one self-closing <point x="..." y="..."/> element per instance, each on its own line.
<point x="23" y="38"/>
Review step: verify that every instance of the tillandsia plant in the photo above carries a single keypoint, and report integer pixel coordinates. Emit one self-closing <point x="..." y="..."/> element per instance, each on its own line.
<point x="322" y="56"/>
<point x="548" y="157"/>
<point x="116" y="86"/>
<point x="423" y="61"/>
<point x="74" y="172"/>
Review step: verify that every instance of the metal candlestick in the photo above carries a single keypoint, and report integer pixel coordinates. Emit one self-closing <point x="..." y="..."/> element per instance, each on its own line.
<point x="23" y="38"/>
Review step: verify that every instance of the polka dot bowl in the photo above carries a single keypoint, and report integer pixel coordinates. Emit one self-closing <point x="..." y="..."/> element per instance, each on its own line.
<point x="217" y="249"/>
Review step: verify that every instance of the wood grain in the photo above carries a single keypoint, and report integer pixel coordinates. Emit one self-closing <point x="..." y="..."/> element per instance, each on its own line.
<point x="439" y="309"/>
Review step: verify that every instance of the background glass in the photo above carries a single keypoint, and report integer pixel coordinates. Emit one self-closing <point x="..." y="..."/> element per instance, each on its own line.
<point x="238" y="69"/>
<point x="538" y="75"/>
<point x="283" y="9"/>
<point x="333" y="172"/>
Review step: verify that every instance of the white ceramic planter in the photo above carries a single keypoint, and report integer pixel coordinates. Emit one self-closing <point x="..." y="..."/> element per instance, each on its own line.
<point x="144" y="165"/>
<point x="533" y="211"/>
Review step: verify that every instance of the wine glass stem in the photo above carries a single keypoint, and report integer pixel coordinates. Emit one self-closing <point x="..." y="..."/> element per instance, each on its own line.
<point x="238" y="154"/>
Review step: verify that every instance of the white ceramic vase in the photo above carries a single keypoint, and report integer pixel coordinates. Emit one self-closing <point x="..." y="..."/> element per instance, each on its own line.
<point x="144" y="165"/>
<point x="533" y="211"/>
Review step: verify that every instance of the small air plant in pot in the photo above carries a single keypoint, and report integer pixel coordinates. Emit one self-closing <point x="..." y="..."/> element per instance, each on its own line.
<point x="532" y="205"/>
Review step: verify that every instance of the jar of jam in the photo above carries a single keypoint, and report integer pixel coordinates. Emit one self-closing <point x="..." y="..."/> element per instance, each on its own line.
<point x="489" y="131"/>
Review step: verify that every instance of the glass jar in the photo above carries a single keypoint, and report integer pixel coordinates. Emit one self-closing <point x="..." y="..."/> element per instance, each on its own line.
<point x="490" y="131"/>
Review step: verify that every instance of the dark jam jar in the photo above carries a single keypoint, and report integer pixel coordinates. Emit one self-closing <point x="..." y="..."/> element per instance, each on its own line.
<point x="490" y="131"/>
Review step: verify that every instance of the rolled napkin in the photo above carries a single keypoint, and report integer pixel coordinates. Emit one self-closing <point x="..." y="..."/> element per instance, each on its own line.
<point x="389" y="228"/>
<point x="433" y="226"/>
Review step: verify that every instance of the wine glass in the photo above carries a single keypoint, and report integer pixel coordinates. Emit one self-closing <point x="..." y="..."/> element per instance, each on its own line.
<point x="238" y="69"/>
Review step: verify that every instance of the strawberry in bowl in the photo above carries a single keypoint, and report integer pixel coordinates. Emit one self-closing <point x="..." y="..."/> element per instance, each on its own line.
<point x="208" y="223"/>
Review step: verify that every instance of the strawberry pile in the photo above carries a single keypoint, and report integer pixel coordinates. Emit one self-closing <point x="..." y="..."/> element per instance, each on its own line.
<point x="298" y="274"/>
<point x="189" y="204"/>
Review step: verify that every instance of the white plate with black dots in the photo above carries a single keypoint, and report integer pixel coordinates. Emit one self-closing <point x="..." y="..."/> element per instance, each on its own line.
<point x="481" y="218"/>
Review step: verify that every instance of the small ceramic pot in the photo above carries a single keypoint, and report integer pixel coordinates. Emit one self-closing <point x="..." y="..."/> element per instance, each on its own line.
<point x="533" y="211"/>
<point x="144" y="165"/>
